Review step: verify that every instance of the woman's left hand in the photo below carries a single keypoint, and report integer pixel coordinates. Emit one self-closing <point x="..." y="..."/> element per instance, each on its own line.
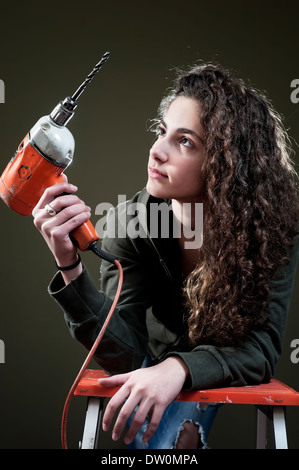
<point x="152" y="389"/>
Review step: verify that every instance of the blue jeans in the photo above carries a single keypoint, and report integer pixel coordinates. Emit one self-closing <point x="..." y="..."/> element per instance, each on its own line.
<point x="172" y="421"/>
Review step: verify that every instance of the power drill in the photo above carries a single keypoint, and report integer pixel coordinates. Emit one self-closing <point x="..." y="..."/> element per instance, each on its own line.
<point x="45" y="152"/>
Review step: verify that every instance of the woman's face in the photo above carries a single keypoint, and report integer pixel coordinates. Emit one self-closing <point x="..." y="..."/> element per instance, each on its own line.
<point x="176" y="158"/>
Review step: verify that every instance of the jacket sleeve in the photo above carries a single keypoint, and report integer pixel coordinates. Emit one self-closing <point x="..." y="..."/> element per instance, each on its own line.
<point x="124" y="345"/>
<point x="254" y="362"/>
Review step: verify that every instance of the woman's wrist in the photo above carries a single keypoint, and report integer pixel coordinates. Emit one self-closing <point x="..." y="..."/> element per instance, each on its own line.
<point x="180" y="366"/>
<point x="71" y="268"/>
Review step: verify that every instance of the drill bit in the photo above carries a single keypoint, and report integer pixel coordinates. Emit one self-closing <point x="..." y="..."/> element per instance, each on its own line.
<point x="88" y="79"/>
<point x="64" y="111"/>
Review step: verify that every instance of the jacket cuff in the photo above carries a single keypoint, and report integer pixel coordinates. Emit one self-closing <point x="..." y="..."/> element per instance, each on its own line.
<point x="205" y="370"/>
<point x="80" y="299"/>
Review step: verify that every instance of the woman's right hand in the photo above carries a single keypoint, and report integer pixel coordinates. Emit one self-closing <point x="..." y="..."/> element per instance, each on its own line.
<point x="71" y="212"/>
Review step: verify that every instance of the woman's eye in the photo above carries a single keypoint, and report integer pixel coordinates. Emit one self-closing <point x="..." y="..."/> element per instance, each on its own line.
<point x="186" y="142"/>
<point x="160" y="131"/>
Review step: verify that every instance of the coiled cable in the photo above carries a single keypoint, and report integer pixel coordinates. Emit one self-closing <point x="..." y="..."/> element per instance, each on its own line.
<point x="100" y="253"/>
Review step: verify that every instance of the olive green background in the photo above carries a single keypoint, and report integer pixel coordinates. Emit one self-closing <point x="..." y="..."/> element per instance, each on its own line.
<point x="46" y="51"/>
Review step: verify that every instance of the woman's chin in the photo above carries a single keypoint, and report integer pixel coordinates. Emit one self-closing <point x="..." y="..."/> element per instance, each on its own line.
<point x="155" y="191"/>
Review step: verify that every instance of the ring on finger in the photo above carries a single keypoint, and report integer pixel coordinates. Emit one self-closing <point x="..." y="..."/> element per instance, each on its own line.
<point x="50" y="210"/>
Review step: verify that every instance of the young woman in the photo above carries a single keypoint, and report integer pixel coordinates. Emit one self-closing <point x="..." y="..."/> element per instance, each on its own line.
<point x="208" y="315"/>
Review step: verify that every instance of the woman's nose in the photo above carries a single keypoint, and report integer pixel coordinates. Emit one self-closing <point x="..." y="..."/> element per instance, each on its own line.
<point x="159" y="150"/>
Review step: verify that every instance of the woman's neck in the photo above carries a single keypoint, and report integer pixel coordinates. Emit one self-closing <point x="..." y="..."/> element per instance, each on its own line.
<point x="189" y="219"/>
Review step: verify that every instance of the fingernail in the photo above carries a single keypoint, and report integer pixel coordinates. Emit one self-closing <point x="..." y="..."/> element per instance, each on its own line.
<point x="114" y="436"/>
<point x="74" y="188"/>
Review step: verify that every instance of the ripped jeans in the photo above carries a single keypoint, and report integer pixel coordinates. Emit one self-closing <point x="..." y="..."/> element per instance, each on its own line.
<point x="171" y="424"/>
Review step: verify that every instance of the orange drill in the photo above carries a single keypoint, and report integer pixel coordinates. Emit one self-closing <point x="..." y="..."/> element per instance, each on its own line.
<point x="42" y="156"/>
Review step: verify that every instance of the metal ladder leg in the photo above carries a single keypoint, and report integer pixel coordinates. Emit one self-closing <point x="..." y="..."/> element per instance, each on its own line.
<point x="92" y="422"/>
<point x="277" y="418"/>
<point x="261" y="429"/>
<point x="279" y="427"/>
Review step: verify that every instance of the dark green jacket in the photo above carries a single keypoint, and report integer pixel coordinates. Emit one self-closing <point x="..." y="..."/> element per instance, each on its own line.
<point x="149" y="315"/>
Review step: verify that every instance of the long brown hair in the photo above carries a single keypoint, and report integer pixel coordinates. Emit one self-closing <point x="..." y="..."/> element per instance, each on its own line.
<point x="251" y="206"/>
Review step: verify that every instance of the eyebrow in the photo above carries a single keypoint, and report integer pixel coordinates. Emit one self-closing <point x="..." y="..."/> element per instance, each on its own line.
<point x="184" y="130"/>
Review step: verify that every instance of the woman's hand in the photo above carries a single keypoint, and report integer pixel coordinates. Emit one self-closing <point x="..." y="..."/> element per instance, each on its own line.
<point x="71" y="212"/>
<point x="152" y="389"/>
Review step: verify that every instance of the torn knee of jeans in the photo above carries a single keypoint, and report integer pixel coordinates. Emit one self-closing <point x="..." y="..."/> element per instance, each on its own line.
<point x="190" y="436"/>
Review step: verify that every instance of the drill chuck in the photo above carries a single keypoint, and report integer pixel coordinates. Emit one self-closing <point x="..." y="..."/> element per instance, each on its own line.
<point x="64" y="111"/>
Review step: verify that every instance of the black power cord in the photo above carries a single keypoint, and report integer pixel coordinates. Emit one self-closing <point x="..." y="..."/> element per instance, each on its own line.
<point x="112" y="259"/>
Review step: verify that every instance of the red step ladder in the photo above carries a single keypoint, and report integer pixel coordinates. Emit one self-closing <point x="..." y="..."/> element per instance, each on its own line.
<point x="270" y="400"/>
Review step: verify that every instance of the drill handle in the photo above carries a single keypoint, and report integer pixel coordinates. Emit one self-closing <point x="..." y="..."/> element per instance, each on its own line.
<point x="84" y="236"/>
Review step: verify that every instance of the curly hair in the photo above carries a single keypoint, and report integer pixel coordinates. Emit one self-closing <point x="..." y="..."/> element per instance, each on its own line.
<point x="251" y="206"/>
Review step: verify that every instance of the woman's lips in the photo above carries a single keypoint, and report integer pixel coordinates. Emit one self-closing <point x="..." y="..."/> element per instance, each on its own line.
<point x="154" y="173"/>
